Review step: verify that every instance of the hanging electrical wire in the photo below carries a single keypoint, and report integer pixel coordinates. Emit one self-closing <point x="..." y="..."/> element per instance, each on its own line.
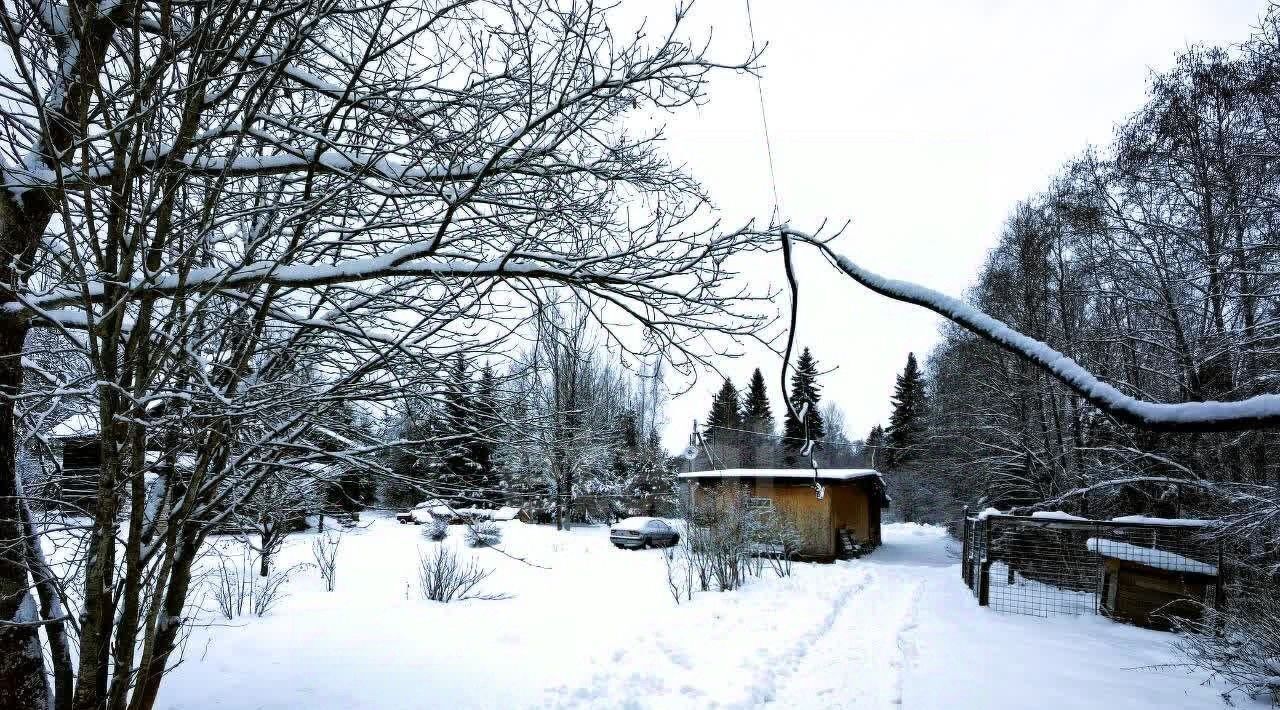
<point x="783" y="437"/>
<point x="710" y="459"/>
<point x="775" y="220"/>
<point x="764" y="123"/>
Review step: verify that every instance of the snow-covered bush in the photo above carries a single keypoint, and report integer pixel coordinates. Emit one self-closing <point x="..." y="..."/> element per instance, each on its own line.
<point x="444" y="577"/>
<point x="324" y="548"/>
<point x="437" y="529"/>
<point x="729" y="537"/>
<point x="484" y="533"/>
<point x="238" y="589"/>
<point x="721" y="532"/>
<point x="1239" y="643"/>
<point x="780" y="540"/>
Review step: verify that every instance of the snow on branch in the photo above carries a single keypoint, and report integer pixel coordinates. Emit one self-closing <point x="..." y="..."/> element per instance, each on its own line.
<point x="21" y="179"/>
<point x="1254" y="413"/>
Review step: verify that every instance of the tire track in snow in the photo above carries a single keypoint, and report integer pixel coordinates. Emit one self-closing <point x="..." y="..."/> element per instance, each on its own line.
<point x="765" y="690"/>
<point x="906" y="643"/>
<point x="676" y="681"/>
<point x="852" y="669"/>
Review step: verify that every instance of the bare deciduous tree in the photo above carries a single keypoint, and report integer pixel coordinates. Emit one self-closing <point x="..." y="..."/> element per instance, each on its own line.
<point x="239" y="218"/>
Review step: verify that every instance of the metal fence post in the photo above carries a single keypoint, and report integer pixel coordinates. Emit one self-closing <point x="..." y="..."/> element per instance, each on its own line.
<point x="984" y="569"/>
<point x="966" y="550"/>
<point x="1220" y="593"/>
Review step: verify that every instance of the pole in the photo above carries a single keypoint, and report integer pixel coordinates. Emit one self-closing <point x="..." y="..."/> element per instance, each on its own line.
<point x="984" y="569"/>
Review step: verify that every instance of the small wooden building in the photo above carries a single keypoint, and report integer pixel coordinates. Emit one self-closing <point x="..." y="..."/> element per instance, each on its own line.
<point x="843" y="522"/>
<point x="1149" y="586"/>
<point x="77" y="436"/>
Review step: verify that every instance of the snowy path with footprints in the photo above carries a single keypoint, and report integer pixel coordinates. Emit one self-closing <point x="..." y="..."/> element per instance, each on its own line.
<point x="895" y="629"/>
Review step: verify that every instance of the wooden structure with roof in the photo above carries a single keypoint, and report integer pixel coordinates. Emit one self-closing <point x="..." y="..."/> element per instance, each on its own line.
<point x="77" y="437"/>
<point x="1151" y="586"/>
<point x="843" y="522"/>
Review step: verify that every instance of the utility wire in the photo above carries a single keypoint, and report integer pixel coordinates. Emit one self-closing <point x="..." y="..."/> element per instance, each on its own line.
<point x="764" y="122"/>
<point x="783" y="437"/>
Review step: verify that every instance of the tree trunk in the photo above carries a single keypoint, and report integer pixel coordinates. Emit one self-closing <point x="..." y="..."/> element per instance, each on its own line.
<point x="52" y="611"/>
<point x="168" y="624"/>
<point x="23" y="683"/>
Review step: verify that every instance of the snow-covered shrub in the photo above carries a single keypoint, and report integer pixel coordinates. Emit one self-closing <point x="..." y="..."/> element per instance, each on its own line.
<point x="677" y="575"/>
<point x="238" y="589"/>
<point x="484" y="533"/>
<point x="779" y="541"/>
<point x="729" y="536"/>
<point x="1239" y="643"/>
<point x="324" y="548"/>
<point x="444" y="577"/>
<point x="437" y="529"/>
<point x="721" y="532"/>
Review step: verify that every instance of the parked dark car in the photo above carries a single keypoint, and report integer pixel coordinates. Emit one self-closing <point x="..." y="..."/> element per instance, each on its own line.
<point x="636" y="533"/>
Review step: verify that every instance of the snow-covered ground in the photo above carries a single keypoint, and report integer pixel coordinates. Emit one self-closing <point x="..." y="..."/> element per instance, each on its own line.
<point x="593" y="626"/>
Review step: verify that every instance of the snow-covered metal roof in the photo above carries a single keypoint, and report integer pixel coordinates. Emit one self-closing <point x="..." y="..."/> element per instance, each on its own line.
<point x="76" y="425"/>
<point x="824" y="474"/>
<point x="1149" y="556"/>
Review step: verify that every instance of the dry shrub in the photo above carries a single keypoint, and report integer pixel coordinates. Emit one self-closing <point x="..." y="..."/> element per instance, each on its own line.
<point x="1239" y="643"/>
<point x="444" y="577"/>
<point x="324" y="549"/>
<point x="239" y="589"/>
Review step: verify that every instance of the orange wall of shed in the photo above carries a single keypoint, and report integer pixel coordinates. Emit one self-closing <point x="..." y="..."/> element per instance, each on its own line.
<point x="851" y="508"/>
<point x="801" y="506"/>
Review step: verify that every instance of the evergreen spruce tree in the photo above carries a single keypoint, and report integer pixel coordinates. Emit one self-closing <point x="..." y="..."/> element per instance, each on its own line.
<point x="654" y="478"/>
<point x="351" y="490"/>
<point x="723" y="426"/>
<point x="756" y="413"/>
<point x="905" y="433"/>
<point x="873" y="448"/>
<point x="484" y="432"/>
<point x="757" y="417"/>
<point x="417" y="468"/>
<point x="457" y="480"/>
<point x="804" y="389"/>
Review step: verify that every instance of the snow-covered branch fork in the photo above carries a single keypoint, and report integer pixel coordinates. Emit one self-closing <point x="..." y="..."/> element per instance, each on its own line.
<point x="1258" y="412"/>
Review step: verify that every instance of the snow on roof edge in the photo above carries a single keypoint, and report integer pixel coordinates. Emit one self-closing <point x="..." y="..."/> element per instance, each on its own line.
<point x="1148" y="556"/>
<point x="1059" y="516"/>
<point x="831" y="474"/>
<point x="75" y="425"/>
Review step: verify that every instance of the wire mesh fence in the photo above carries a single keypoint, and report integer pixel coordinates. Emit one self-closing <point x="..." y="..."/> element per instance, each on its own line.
<point x="1143" y="572"/>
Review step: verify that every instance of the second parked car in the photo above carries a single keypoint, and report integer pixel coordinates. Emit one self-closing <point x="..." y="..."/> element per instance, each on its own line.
<point x="643" y="532"/>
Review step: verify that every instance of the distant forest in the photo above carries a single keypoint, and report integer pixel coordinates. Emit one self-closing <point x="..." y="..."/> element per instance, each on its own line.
<point x="1154" y="262"/>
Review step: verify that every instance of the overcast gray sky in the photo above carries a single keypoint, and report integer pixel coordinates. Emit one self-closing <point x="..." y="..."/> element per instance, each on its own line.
<point x="923" y="123"/>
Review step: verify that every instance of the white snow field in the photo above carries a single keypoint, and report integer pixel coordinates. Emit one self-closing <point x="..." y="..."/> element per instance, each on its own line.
<point x="595" y="627"/>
